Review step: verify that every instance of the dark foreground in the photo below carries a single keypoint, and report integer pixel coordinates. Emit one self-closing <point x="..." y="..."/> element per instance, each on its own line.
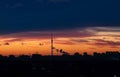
<point x="67" y="66"/>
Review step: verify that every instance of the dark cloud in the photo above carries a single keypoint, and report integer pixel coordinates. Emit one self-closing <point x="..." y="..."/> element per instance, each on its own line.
<point x="6" y="43"/>
<point x="105" y="29"/>
<point x="13" y="40"/>
<point x="46" y="35"/>
<point x="79" y="40"/>
<point x="65" y="42"/>
<point x="47" y="15"/>
<point x="100" y="42"/>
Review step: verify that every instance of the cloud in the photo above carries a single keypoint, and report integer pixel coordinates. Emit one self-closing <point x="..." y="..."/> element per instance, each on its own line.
<point x="100" y="42"/>
<point x="13" y="40"/>
<point x="65" y="42"/>
<point x="105" y="29"/>
<point x="46" y="34"/>
<point x="37" y="17"/>
<point x="6" y="43"/>
<point x="80" y="40"/>
<point x="115" y="47"/>
<point x="78" y="35"/>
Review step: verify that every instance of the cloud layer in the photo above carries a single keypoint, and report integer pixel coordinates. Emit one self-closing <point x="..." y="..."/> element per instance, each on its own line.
<point x="47" y="15"/>
<point x="97" y="36"/>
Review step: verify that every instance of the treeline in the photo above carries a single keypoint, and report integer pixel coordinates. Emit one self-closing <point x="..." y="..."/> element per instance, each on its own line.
<point x="109" y="55"/>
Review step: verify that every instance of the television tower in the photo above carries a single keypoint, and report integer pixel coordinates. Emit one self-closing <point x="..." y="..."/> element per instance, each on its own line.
<point x="52" y="48"/>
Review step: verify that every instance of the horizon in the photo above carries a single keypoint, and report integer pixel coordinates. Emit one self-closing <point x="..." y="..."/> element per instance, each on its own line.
<point x="110" y="53"/>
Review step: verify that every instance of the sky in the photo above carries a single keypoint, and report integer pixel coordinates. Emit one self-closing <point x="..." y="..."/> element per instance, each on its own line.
<point x="78" y="26"/>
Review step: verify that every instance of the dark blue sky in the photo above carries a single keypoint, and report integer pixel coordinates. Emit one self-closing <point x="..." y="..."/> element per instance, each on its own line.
<point x="37" y="15"/>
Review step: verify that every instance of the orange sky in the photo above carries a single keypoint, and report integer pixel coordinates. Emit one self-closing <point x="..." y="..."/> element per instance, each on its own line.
<point x="99" y="39"/>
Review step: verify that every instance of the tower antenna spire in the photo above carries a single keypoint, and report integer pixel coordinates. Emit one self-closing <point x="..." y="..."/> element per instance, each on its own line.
<point x="52" y="40"/>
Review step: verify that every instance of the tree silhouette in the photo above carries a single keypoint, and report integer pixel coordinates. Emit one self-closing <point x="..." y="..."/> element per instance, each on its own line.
<point x="6" y="43"/>
<point x="85" y="54"/>
<point x="77" y="54"/>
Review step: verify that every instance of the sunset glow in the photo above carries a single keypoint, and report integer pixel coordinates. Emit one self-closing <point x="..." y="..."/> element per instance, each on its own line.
<point x="93" y="39"/>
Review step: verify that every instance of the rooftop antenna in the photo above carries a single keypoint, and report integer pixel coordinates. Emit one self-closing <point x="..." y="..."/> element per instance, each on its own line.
<point x="52" y="54"/>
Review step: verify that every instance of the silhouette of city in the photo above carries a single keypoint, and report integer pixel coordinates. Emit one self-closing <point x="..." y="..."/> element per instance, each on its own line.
<point x="77" y="65"/>
<point x="64" y="65"/>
